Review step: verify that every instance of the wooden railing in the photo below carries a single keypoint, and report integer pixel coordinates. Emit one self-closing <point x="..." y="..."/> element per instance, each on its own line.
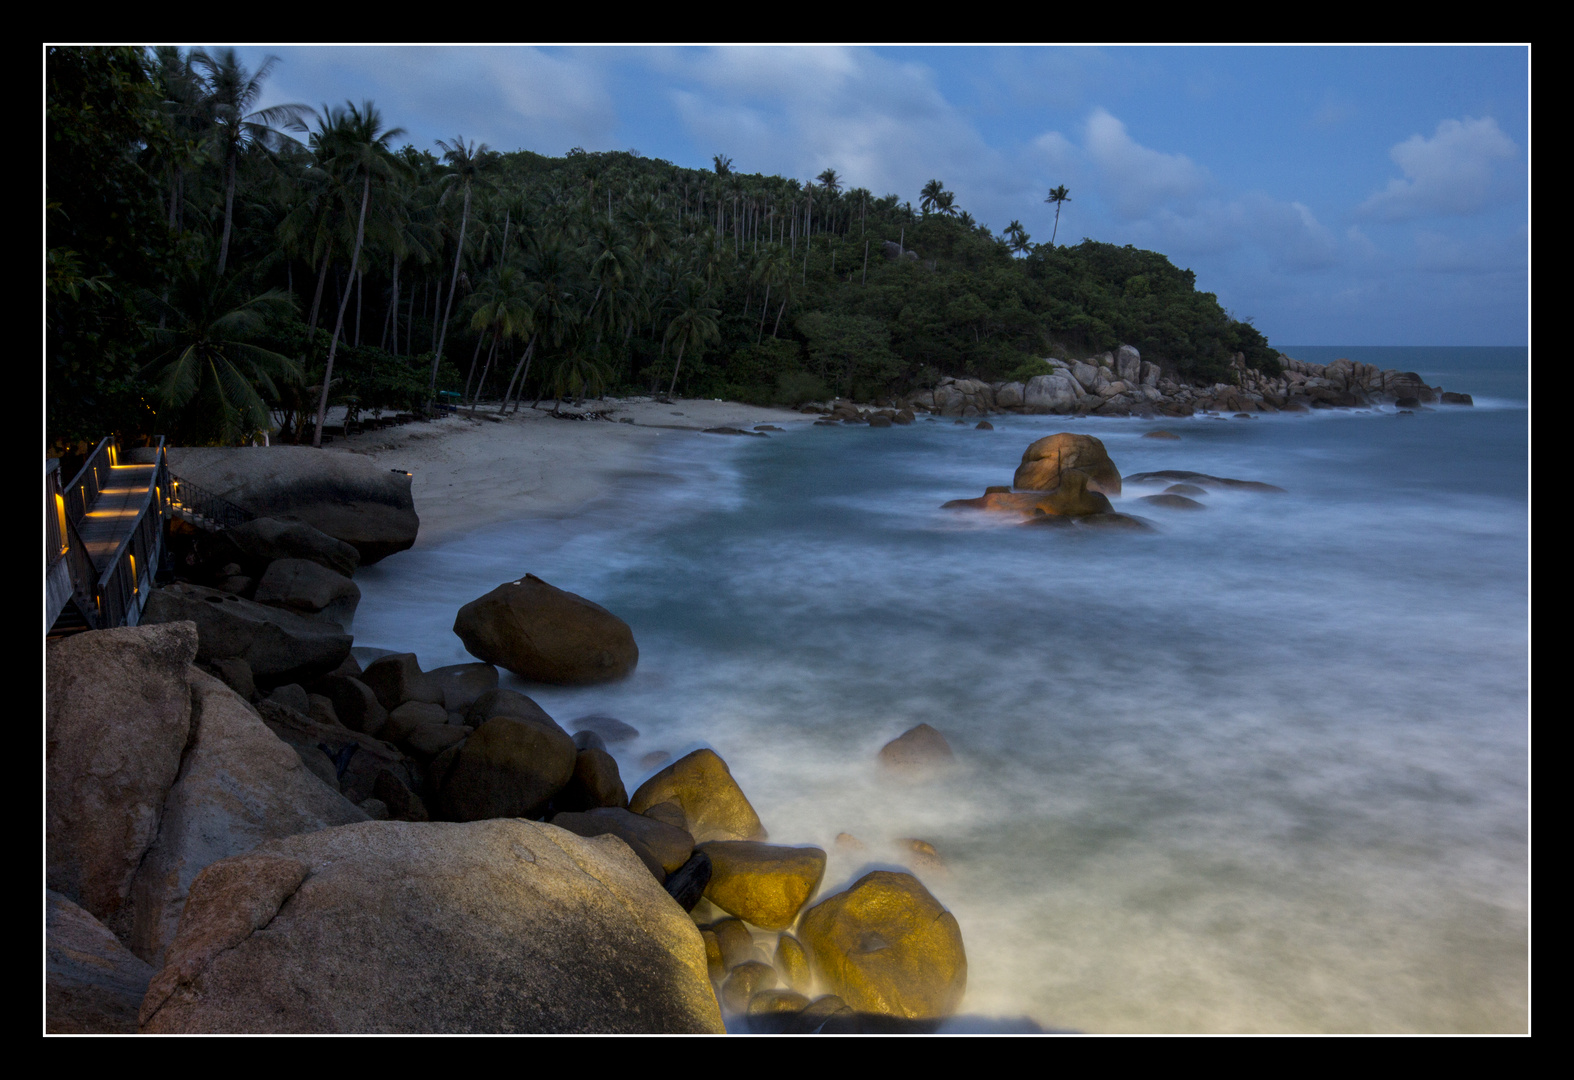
<point x="203" y="508"/>
<point x="116" y="595"/>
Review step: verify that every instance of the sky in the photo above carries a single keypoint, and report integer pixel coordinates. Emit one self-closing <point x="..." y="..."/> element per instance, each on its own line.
<point x="1334" y="196"/>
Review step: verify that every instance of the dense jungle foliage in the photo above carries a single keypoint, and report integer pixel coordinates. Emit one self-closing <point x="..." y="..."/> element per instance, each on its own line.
<point x="209" y="267"/>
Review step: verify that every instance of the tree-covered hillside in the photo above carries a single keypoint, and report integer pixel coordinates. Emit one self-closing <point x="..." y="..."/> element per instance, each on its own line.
<point x="210" y="267"/>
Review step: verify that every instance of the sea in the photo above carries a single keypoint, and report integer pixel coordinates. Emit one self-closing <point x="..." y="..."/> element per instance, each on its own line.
<point x="1264" y="768"/>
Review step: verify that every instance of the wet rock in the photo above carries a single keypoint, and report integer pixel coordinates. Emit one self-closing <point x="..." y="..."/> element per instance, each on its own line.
<point x="1160" y="435"/>
<point x="771" y="1011"/>
<point x="547" y="635"/>
<point x="828" y="1014"/>
<point x="507" y="768"/>
<point x="793" y="963"/>
<point x="1201" y="479"/>
<point x="1074" y="497"/>
<point x="984" y="425"/>
<point x="763" y="884"/>
<point x="1044" y="462"/>
<point x="412" y="927"/>
<point x="886" y="946"/>
<point x="1173" y="502"/>
<point x="93" y="985"/>
<point x="880" y="421"/>
<point x="736" y="942"/>
<point x="743" y="982"/>
<point x="714" y="807"/>
<point x="117" y="716"/>
<point x="1013" y="502"/>
<point x="917" y="748"/>
<point x="588" y="740"/>
<point x="1449" y="397"/>
<point x="1185" y="489"/>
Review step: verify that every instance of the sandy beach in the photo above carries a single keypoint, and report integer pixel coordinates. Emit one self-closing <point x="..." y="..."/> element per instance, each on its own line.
<point x="467" y="472"/>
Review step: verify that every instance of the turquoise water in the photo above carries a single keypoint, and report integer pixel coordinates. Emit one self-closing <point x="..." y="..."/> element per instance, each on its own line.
<point x="1263" y="769"/>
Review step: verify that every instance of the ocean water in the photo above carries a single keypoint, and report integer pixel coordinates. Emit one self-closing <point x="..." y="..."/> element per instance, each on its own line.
<point x="1264" y="768"/>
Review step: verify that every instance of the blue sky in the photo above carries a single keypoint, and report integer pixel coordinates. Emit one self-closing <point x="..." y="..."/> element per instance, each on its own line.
<point x="1342" y="196"/>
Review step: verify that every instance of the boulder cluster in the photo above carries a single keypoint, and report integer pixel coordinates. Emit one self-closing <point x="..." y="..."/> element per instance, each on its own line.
<point x="1121" y="383"/>
<point x="264" y="840"/>
<point x="1066" y="479"/>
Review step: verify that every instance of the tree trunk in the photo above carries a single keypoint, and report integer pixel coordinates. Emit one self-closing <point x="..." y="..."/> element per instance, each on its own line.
<point x="229" y="208"/>
<point x="355" y="259"/>
<point x="778" y="319"/>
<point x="464" y="220"/>
<point x="765" y="307"/>
<point x="469" y="375"/>
<point x="524" y="362"/>
<point x="677" y="368"/>
<point x="496" y="334"/>
<point x="322" y="276"/>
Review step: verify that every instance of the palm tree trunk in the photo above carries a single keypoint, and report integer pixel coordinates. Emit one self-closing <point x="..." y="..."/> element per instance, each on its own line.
<point x="322" y="276"/>
<point x="765" y="308"/>
<point x="471" y="373"/>
<point x="229" y="208"/>
<point x="490" y="353"/>
<point x="464" y="220"/>
<point x="676" y="368"/>
<point x="779" y="316"/>
<point x="355" y="259"/>
<point x="524" y="362"/>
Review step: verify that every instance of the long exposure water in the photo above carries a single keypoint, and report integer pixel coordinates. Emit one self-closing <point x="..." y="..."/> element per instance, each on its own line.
<point x="1262" y="769"/>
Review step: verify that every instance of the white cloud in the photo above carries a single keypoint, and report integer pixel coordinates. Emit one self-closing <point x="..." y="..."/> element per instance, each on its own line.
<point x="1450" y="173"/>
<point x="1138" y="179"/>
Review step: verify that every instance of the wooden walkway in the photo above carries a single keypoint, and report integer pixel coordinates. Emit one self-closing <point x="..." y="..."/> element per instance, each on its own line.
<point x="104" y="539"/>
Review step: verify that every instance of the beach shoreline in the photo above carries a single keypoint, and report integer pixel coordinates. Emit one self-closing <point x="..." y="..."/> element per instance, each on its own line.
<point x="468" y="472"/>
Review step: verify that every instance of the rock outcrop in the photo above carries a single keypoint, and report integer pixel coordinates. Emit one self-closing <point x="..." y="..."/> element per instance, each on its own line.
<point x="545" y="634"/>
<point x="346" y="496"/>
<point x="239" y="785"/>
<point x="391" y="927"/>
<point x="117" y="717"/>
<point x="278" y="646"/>
<point x="93" y="985"/>
<point x="1046" y="459"/>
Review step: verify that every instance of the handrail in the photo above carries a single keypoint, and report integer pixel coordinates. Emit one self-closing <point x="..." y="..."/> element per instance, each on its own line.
<point x="188" y="497"/>
<point x="94" y="471"/>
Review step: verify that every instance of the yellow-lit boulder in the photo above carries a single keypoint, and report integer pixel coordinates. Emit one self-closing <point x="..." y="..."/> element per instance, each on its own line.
<point x="714" y="806"/>
<point x="886" y="946"/>
<point x="763" y="884"/>
<point x="1044" y="462"/>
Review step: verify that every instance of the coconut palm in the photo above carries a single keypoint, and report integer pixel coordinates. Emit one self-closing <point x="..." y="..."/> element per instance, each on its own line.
<point x="930" y="195"/>
<point x="232" y="91"/>
<point x="209" y="376"/>
<point x="352" y="145"/>
<point x="693" y="323"/>
<point x="465" y="163"/>
<point x="1057" y="196"/>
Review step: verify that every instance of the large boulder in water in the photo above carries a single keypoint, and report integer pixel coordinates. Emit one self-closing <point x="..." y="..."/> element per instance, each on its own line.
<point x="886" y="946"/>
<point x="392" y="927"/>
<point x="544" y="634"/>
<point x="347" y="496"/>
<point x="117" y="716"/>
<point x="764" y="884"/>
<point x="1073" y="498"/>
<point x="1045" y="460"/>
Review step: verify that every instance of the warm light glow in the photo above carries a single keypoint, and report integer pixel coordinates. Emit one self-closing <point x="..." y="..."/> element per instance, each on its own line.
<point x="60" y="512"/>
<point x="133" y="559"/>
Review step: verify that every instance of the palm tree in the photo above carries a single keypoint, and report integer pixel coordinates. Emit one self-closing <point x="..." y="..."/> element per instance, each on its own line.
<point x="466" y="163"/>
<point x="209" y="369"/>
<point x="503" y="307"/>
<point x="1057" y="196"/>
<point x="353" y="144"/>
<point x="930" y="195"/>
<point x="232" y="91"/>
<point x="694" y="323"/>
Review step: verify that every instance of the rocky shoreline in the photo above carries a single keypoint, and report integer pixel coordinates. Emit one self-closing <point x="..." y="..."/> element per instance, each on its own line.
<point x="249" y="830"/>
<point x="1121" y="383"/>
